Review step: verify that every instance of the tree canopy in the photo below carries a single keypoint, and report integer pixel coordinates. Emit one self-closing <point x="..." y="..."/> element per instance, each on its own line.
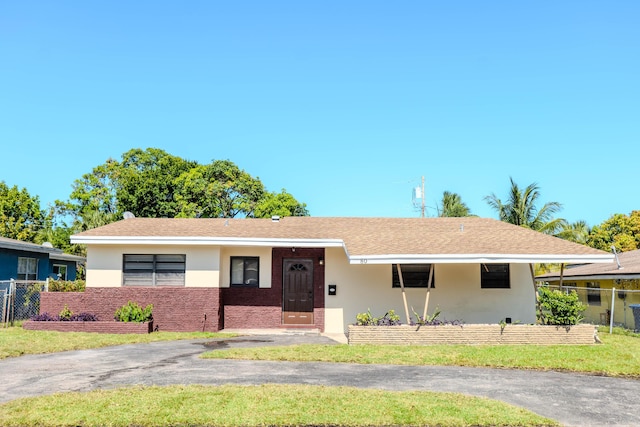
<point x="620" y="230"/>
<point x="452" y="206"/>
<point x="520" y="209"/>
<point x="20" y="215"/>
<point x="153" y="183"/>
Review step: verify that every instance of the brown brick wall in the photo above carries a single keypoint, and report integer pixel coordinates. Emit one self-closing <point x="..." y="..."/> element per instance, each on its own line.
<point x="98" y="327"/>
<point x="472" y="334"/>
<point x="174" y="308"/>
<point x="262" y="307"/>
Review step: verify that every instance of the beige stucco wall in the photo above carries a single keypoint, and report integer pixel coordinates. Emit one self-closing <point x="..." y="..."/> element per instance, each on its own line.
<point x="265" y="264"/>
<point x="104" y="263"/>
<point x="457" y="294"/>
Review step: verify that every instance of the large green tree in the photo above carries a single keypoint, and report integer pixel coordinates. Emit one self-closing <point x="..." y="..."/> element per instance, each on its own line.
<point x="20" y="215"/>
<point x="452" y="206"/>
<point x="218" y="190"/>
<point x="281" y="204"/>
<point x="520" y="208"/>
<point x="153" y="183"/>
<point x="620" y="230"/>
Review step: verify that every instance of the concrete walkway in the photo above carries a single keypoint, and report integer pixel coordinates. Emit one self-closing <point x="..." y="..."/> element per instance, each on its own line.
<point x="571" y="399"/>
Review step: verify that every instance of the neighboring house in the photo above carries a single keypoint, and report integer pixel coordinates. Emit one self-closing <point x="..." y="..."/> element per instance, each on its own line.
<point x="308" y="272"/>
<point x="594" y="283"/>
<point x="29" y="261"/>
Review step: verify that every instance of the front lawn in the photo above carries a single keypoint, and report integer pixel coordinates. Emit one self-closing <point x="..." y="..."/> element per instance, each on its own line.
<point x="15" y="341"/>
<point x="265" y="405"/>
<point x="618" y="356"/>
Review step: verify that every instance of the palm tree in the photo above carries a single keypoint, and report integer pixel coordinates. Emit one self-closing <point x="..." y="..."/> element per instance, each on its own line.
<point x="452" y="206"/>
<point x="520" y="209"/>
<point x="577" y="232"/>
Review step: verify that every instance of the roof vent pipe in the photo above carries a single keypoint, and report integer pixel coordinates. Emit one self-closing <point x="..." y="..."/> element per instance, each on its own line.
<point x="275" y="218"/>
<point x="613" y="248"/>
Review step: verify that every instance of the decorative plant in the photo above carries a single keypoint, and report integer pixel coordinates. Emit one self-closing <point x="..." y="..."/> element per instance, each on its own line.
<point x="84" y="317"/>
<point x="65" y="314"/>
<point x="65" y="317"/>
<point x="45" y="317"/>
<point x="66" y="285"/>
<point x="366" y="319"/>
<point x="133" y="312"/>
<point x="559" y="308"/>
<point x="429" y="320"/>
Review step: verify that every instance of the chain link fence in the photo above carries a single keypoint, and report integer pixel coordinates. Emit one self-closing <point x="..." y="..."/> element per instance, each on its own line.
<point x="20" y="299"/>
<point x="603" y="304"/>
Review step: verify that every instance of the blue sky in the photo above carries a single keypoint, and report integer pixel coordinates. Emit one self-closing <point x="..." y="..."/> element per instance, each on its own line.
<point x="344" y="104"/>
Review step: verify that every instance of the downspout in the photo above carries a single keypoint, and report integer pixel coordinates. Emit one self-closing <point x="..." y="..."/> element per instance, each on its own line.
<point x="404" y="295"/>
<point x="426" y="302"/>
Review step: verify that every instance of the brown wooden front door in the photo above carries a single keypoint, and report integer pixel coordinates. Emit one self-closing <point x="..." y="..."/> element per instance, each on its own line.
<point x="297" y="278"/>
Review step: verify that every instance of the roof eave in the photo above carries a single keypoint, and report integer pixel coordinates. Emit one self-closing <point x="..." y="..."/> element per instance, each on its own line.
<point x="206" y="241"/>
<point x="587" y="277"/>
<point x="478" y="259"/>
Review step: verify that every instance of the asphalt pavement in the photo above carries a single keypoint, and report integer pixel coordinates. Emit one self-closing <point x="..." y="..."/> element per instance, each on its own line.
<point x="572" y="399"/>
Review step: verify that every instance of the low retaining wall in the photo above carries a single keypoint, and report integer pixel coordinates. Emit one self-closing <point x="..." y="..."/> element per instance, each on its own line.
<point x="472" y="334"/>
<point x="177" y="309"/>
<point x="111" y="327"/>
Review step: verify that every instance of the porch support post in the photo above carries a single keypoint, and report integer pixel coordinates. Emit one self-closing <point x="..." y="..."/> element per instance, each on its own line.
<point x="426" y="301"/>
<point x="561" y="274"/>
<point x="404" y="295"/>
<point x="535" y="293"/>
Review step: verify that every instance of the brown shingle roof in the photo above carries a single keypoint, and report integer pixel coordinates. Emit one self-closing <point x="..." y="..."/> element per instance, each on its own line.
<point x="629" y="263"/>
<point x="362" y="237"/>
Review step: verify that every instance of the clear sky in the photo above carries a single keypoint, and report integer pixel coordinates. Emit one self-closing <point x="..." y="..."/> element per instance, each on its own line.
<point x="345" y="104"/>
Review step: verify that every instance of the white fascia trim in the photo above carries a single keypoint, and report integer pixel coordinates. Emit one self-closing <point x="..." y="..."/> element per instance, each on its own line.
<point x="478" y="258"/>
<point x="207" y="241"/>
<point x="590" y="277"/>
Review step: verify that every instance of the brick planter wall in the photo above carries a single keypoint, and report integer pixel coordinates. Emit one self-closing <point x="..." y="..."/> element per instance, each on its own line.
<point x="99" y="327"/>
<point x="174" y="308"/>
<point x="472" y="334"/>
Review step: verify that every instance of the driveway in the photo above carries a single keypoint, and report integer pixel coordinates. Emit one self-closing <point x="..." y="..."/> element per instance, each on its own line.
<point x="571" y="399"/>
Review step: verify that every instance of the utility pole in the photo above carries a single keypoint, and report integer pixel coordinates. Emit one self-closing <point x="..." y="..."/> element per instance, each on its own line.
<point x="422" y="201"/>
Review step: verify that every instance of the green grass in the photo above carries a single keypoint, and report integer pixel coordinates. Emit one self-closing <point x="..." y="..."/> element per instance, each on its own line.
<point x="15" y="341"/>
<point x="618" y="356"/>
<point x="275" y="405"/>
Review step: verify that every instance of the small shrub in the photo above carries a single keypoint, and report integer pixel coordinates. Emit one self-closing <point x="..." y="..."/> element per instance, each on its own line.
<point x="67" y="285"/>
<point x="44" y="317"/>
<point x="559" y="308"/>
<point x="133" y="312"/>
<point x="84" y="317"/>
<point x="65" y="314"/>
<point x="367" y="319"/>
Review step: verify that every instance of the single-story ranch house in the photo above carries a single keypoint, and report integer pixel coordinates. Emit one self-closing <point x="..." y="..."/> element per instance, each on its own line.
<point x="311" y="272"/>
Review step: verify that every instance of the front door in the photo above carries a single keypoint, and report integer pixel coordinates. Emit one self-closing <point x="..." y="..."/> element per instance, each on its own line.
<point x="297" y="285"/>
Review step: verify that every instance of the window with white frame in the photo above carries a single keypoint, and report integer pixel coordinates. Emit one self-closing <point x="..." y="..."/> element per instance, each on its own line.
<point x="245" y="271"/>
<point x="27" y="268"/>
<point x="59" y="271"/>
<point x="153" y="270"/>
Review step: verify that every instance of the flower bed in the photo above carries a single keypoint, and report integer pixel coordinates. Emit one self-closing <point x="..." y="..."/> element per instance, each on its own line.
<point x="473" y="334"/>
<point x="104" y="327"/>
